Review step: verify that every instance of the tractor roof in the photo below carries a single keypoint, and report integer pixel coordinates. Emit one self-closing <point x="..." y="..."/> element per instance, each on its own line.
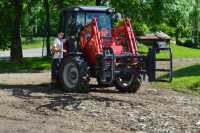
<point x="89" y="8"/>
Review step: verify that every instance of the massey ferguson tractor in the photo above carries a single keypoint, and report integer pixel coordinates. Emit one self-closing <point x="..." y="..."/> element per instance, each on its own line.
<point x="99" y="47"/>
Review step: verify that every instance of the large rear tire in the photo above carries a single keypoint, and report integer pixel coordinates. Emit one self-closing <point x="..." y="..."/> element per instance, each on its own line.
<point x="74" y="75"/>
<point x="129" y="84"/>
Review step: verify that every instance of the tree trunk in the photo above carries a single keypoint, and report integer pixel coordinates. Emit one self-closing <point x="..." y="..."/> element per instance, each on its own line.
<point x="16" y="47"/>
<point x="60" y="7"/>
<point x="177" y="36"/>
<point x="195" y="24"/>
<point x="98" y="2"/>
<point x="47" y="27"/>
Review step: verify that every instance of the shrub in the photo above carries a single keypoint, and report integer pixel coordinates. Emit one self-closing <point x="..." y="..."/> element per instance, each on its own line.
<point x="187" y="43"/>
<point x="164" y="28"/>
<point x="140" y="28"/>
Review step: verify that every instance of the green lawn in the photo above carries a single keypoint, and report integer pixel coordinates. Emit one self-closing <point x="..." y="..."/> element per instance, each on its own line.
<point x="36" y="42"/>
<point x="186" y="79"/>
<point x="32" y="43"/>
<point x="184" y="52"/>
<point x="178" y="51"/>
<point x="28" y="65"/>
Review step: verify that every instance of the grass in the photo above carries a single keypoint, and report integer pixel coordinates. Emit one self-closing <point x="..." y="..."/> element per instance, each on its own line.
<point x="186" y="79"/>
<point x="177" y="51"/>
<point x="36" y="42"/>
<point x="184" y="52"/>
<point x="28" y="65"/>
<point x="32" y="43"/>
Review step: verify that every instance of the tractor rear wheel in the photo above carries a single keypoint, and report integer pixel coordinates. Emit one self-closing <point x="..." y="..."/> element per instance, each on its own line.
<point x="74" y="75"/>
<point x="128" y="84"/>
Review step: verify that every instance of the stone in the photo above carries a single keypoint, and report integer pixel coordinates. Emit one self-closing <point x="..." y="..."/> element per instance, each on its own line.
<point x="81" y="107"/>
<point x="142" y="119"/>
<point x="140" y="132"/>
<point x="142" y="126"/>
<point x="130" y="114"/>
<point x="198" y="123"/>
<point x="94" y="114"/>
<point x="68" y="108"/>
<point x="153" y="91"/>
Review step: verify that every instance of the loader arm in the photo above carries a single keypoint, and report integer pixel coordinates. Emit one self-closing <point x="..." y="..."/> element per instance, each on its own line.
<point x="122" y="32"/>
<point x="91" y="41"/>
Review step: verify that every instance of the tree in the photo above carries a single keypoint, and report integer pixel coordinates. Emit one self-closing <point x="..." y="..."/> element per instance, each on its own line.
<point x="31" y="20"/>
<point x="41" y="18"/>
<point x="157" y="11"/>
<point x="137" y="10"/>
<point x="47" y="27"/>
<point x="98" y="2"/>
<point x="6" y="25"/>
<point x="178" y="14"/>
<point x="196" y="23"/>
<point x="16" y="47"/>
<point x="102" y="2"/>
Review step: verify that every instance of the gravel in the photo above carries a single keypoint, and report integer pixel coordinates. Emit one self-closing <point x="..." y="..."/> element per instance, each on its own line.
<point x="28" y="104"/>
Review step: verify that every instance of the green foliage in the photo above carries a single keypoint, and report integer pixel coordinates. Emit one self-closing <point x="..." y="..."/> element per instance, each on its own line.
<point x="137" y="11"/>
<point x="178" y="14"/>
<point x="173" y="17"/>
<point x="140" y="28"/>
<point x="164" y="27"/>
<point x="33" y="19"/>
<point x="6" y="24"/>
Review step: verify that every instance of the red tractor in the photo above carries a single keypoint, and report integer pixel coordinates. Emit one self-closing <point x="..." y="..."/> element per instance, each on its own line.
<point x="98" y="48"/>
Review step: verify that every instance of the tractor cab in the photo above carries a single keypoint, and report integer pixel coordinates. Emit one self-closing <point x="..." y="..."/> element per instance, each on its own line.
<point x="73" y="19"/>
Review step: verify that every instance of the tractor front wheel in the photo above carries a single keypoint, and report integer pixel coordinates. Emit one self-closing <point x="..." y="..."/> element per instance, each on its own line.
<point x="74" y="76"/>
<point x="128" y="83"/>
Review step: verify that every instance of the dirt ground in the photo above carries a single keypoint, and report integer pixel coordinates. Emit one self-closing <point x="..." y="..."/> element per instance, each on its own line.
<point x="28" y="104"/>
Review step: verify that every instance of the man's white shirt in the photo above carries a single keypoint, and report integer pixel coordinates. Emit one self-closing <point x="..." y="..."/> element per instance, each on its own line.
<point x="58" y="43"/>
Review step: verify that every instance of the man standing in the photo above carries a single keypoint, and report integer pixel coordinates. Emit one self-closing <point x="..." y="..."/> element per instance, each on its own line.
<point x="57" y="51"/>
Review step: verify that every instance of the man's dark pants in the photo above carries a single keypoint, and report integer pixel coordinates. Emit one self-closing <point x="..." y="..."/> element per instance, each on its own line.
<point x="56" y="64"/>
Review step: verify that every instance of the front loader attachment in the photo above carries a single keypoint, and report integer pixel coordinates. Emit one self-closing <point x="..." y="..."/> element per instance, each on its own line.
<point x="159" y="69"/>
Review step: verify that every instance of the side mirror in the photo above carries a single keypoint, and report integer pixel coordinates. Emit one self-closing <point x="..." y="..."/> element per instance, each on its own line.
<point x="117" y="16"/>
